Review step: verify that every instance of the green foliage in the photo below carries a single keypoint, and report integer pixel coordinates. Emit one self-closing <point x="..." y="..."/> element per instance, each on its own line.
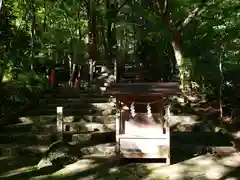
<point x="61" y="29"/>
<point x="16" y="95"/>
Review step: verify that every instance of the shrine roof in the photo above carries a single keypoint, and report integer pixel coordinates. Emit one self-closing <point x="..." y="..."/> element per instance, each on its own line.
<point x="159" y="88"/>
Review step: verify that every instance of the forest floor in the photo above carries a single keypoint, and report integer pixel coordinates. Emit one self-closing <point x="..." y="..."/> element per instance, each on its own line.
<point x="185" y="165"/>
<point x="101" y="168"/>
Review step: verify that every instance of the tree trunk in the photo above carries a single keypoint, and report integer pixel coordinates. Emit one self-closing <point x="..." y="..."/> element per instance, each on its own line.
<point x="92" y="38"/>
<point x="175" y="34"/>
<point x="221" y="84"/>
<point x="1" y="2"/>
<point x="104" y="41"/>
<point x="179" y="57"/>
<point x="70" y="67"/>
<point x="112" y="50"/>
<point x="45" y="17"/>
<point x="33" y="28"/>
<point x="1" y="71"/>
<point x="111" y="31"/>
<point x="71" y="80"/>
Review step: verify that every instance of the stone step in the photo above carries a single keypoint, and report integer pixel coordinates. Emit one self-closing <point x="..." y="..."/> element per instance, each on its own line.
<point x="27" y="138"/>
<point x="65" y="90"/>
<point x="197" y="139"/>
<point x="201" y="138"/>
<point x="70" y="95"/>
<point x="11" y="163"/>
<point x="83" y="105"/>
<point x="103" y="154"/>
<point x="89" y="127"/>
<point x="75" y="100"/>
<point x="49" y="119"/>
<point x="97" y="136"/>
<point x="88" y="139"/>
<point x="104" y="149"/>
<point x="28" y="123"/>
<point x="8" y="150"/>
<point x="68" y="126"/>
<point x="16" y="128"/>
<point x="11" y="150"/>
<point x="25" y="167"/>
<point x="48" y="138"/>
<point x="201" y="167"/>
<point x="98" y="166"/>
<point x="71" y="112"/>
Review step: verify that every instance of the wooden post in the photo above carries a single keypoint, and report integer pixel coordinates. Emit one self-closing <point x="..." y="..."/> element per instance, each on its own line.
<point x="167" y="129"/>
<point x="118" y="119"/>
<point x="60" y="123"/>
<point x="90" y="70"/>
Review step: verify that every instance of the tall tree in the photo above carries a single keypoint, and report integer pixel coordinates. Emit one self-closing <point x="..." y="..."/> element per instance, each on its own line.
<point x="174" y="31"/>
<point x="1" y="2"/>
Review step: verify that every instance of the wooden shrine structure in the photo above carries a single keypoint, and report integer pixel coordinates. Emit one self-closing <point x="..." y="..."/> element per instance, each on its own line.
<point x="142" y="128"/>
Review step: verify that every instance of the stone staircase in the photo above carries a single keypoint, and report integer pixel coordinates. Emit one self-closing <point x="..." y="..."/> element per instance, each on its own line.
<point x="89" y="124"/>
<point x="88" y="119"/>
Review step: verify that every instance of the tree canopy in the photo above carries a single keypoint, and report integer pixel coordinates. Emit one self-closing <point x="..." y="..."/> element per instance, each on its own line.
<point x="191" y="40"/>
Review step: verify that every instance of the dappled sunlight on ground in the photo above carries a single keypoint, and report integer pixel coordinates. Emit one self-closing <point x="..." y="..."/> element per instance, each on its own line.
<point x="90" y="168"/>
<point x="104" y="168"/>
<point x="208" y="166"/>
<point x="19" y="171"/>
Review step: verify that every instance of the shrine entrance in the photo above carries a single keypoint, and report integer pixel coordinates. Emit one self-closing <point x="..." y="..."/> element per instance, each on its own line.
<point x="142" y="124"/>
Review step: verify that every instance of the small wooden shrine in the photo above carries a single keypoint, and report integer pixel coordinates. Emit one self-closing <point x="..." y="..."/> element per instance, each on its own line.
<point x="142" y="128"/>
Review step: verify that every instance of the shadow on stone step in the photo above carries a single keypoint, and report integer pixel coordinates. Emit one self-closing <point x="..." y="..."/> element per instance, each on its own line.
<point x="96" y="139"/>
<point x="177" y="139"/>
<point x="12" y="163"/>
<point x="201" y="138"/>
<point x="28" y="172"/>
<point x="62" y="151"/>
<point x="22" y="138"/>
<point x="186" y="145"/>
<point x="71" y="112"/>
<point x="233" y="174"/>
<point x="108" y="169"/>
<point x="183" y="145"/>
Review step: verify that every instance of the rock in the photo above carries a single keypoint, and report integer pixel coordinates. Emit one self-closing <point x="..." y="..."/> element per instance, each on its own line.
<point x="59" y="154"/>
<point x="182" y="119"/>
<point x="45" y="162"/>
